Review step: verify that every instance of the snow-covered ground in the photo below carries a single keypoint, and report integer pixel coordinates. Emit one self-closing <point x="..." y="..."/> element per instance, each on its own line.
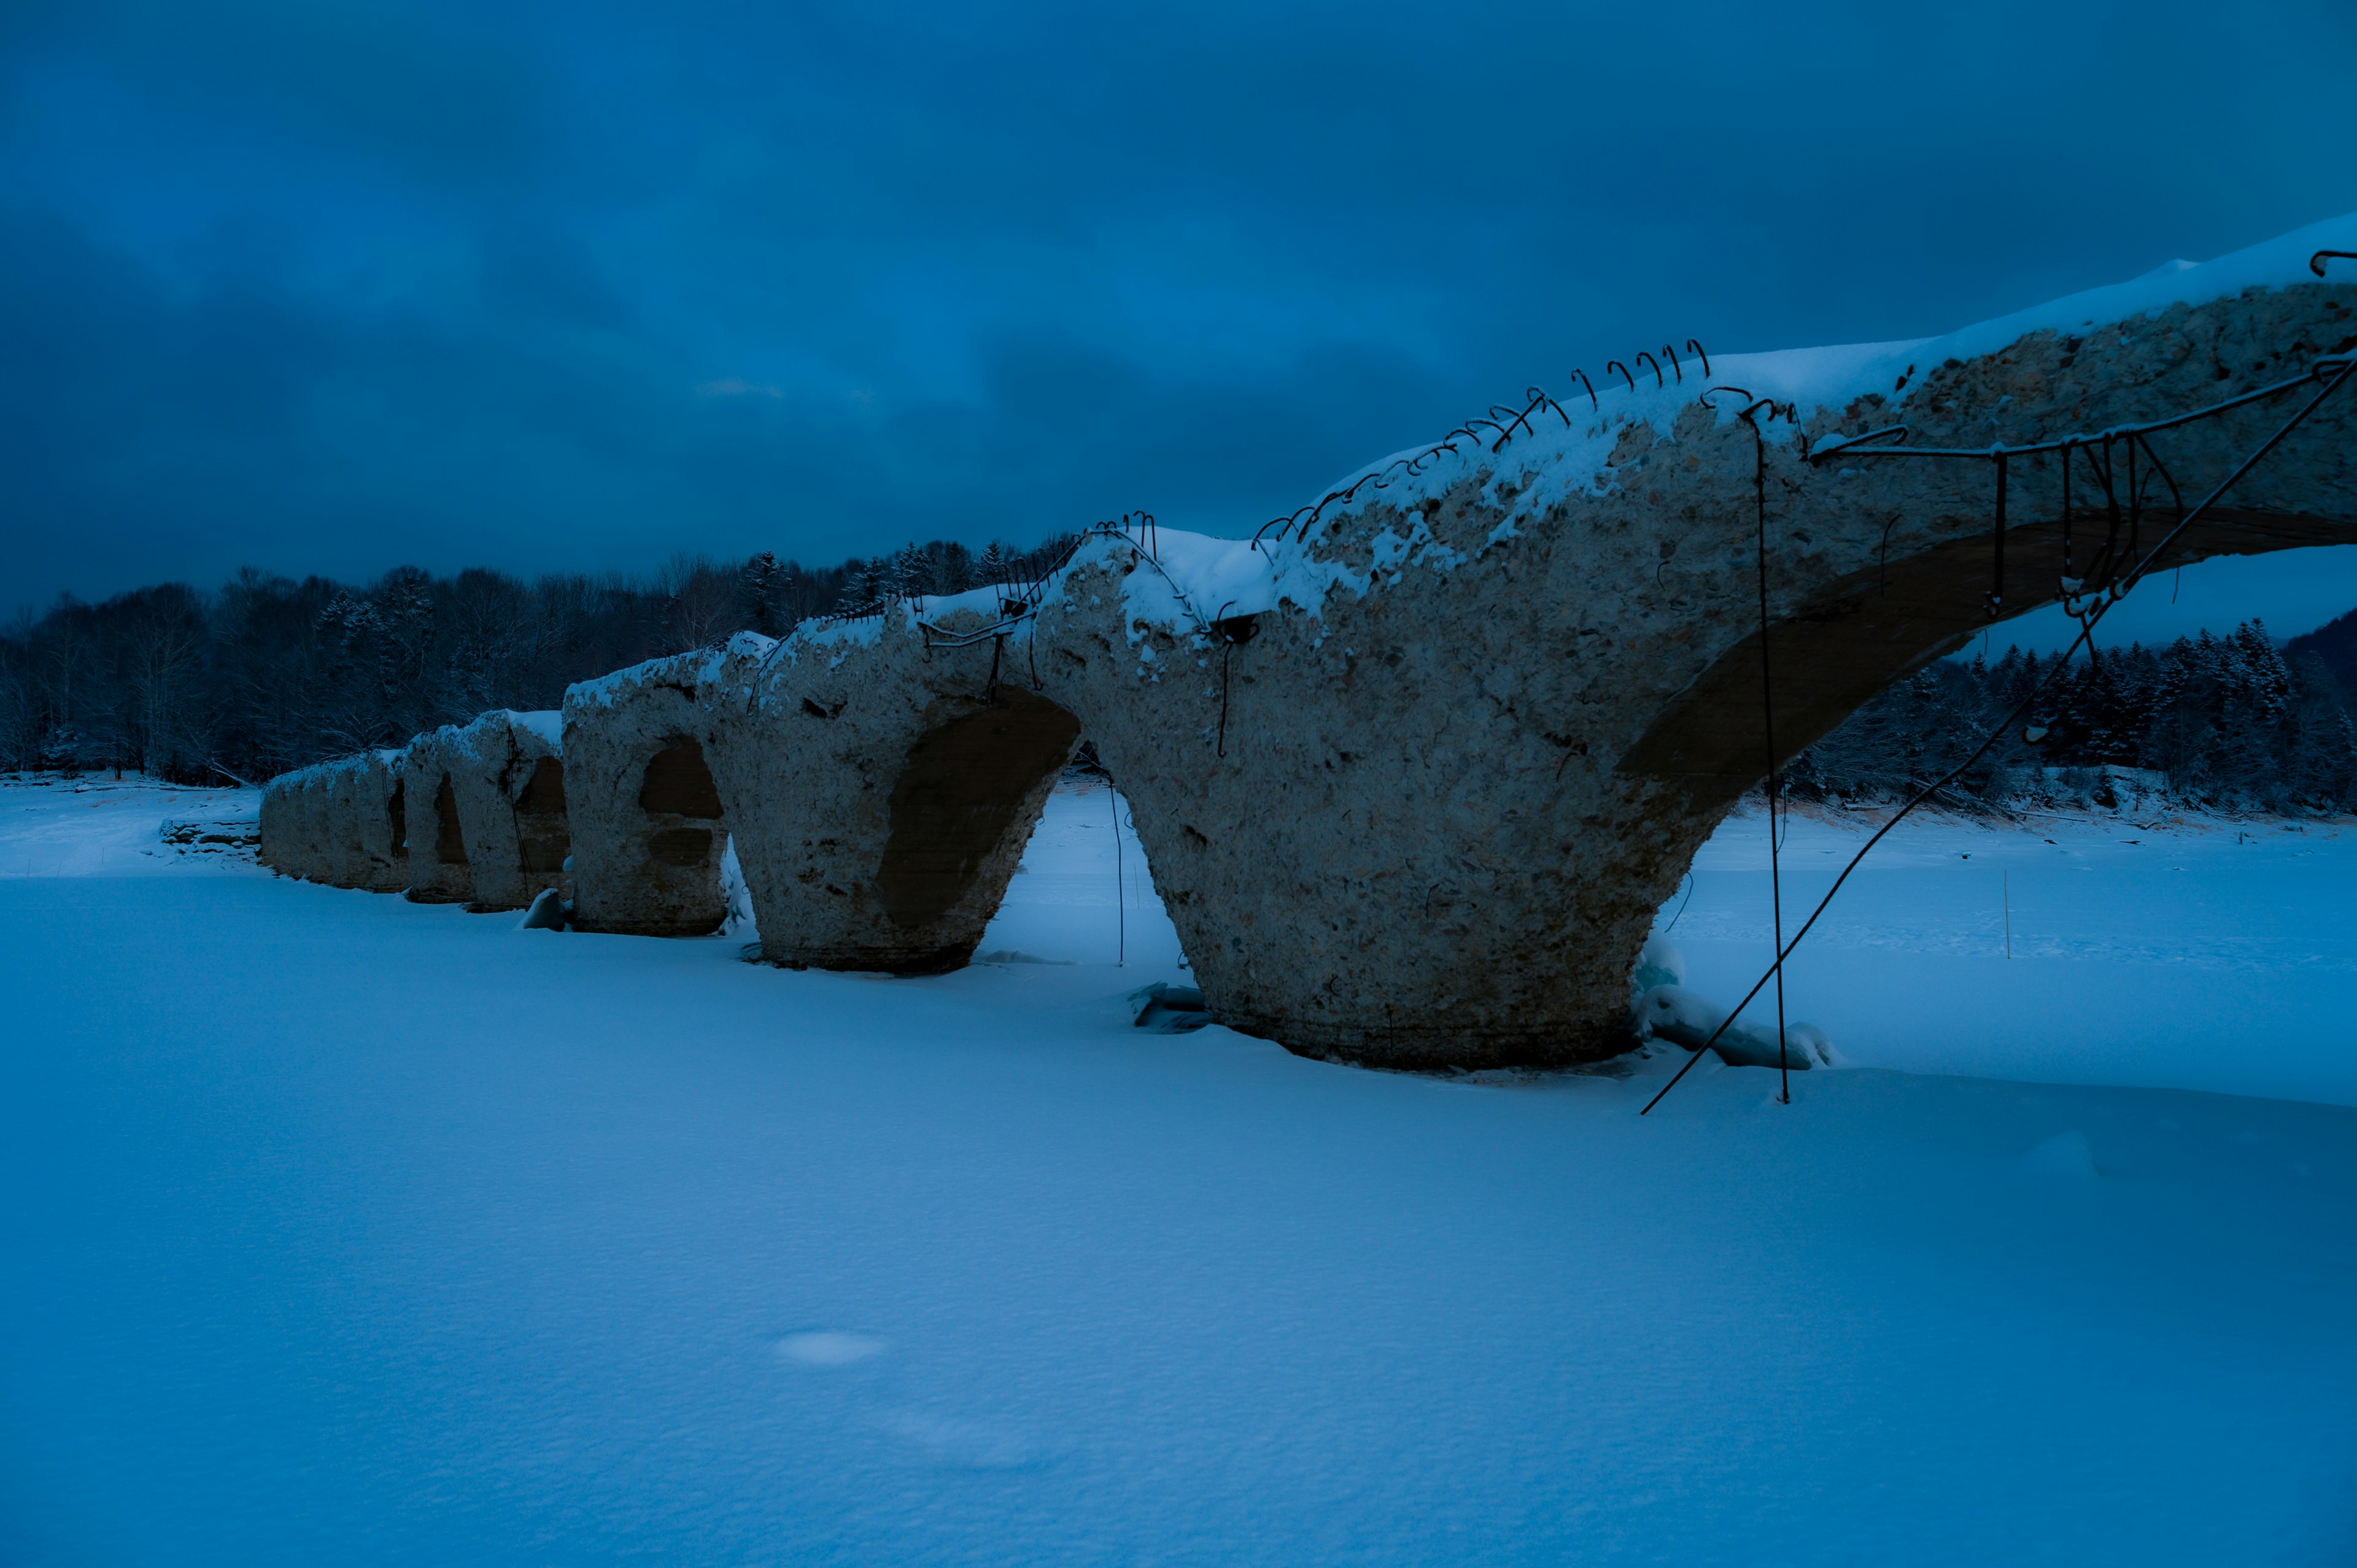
<point x="347" y="1229"/>
<point x="2198" y="953"/>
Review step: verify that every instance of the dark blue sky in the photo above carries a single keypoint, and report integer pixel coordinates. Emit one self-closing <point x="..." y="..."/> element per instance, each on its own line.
<point x="333" y="288"/>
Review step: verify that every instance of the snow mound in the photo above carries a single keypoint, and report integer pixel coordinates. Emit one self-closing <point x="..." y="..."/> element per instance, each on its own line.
<point x="1674" y="1013"/>
<point x="2065" y="1154"/>
<point x="829" y="1347"/>
<point x="1659" y="962"/>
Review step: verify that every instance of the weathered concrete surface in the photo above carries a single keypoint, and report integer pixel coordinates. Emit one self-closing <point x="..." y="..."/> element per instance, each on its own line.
<point x="647" y="823"/>
<point x="880" y="799"/>
<point x="1414" y="780"/>
<point x="1453" y="802"/>
<point x="440" y="871"/>
<point x="312" y="822"/>
<point x="382" y="862"/>
<point x="293" y="838"/>
<point x="1485" y="719"/>
<point x="507" y="777"/>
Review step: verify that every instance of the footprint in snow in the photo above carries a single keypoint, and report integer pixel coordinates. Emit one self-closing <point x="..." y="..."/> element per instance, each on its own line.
<point x="2065" y="1154"/>
<point x="829" y="1347"/>
<point x="956" y="1444"/>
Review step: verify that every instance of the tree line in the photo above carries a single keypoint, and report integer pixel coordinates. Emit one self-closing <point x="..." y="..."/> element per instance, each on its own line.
<point x="268" y="674"/>
<point x="2232" y="724"/>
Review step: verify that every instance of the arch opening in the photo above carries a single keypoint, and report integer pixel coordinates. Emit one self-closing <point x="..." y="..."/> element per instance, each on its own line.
<point x="678" y="784"/>
<point x="543" y="835"/>
<point x="966" y="788"/>
<point x="678" y="781"/>
<point x="1864" y="632"/>
<point x="449" y="843"/>
<point x="649" y="862"/>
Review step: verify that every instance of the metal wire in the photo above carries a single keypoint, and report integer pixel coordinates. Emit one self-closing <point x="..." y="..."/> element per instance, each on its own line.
<point x="2343" y="367"/>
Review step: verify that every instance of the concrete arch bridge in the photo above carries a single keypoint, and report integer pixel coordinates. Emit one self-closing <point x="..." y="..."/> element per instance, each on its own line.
<point x="1416" y="770"/>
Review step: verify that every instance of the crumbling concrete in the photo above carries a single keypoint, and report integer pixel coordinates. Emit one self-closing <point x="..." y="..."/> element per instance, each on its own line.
<point x="1414" y="780"/>
<point x="381" y="861"/>
<point x="1461" y="781"/>
<point x="288" y="845"/>
<point x="440" y="871"/>
<point x="648" y="827"/>
<point x="508" y="779"/>
<point x="310" y="823"/>
<point x="880" y="799"/>
<point x="483" y="803"/>
<point x="1415" y="775"/>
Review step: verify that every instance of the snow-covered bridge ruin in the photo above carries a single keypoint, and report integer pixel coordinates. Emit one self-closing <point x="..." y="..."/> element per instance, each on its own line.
<point x="1416" y="771"/>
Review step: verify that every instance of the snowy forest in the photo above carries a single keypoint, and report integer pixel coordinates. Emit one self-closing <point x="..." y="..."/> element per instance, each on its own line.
<point x="268" y="674"/>
<point x="2231" y="724"/>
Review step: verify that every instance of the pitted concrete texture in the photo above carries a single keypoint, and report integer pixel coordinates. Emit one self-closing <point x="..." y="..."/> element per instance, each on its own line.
<point x="647" y="824"/>
<point x="1471" y="747"/>
<point x="1415" y="778"/>
<point x="309" y="828"/>
<point x="1487" y="779"/>
<point x="284" y="845"/>
<point x="880" y="800"/>
<point x="440" y="871"/>
<point x="380" y="862"/>
<point x="507" y="780"/>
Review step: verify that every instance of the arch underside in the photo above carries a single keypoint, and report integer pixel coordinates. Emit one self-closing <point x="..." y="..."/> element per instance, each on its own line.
<point x="670" y="886"/>
<point x="440" y="871"/>
<point x="962" y="804"/>
<point x="543" y="834"/>
<point x="1871" y="628"/>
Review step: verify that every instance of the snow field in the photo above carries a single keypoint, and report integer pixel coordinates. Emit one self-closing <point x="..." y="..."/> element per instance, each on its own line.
<point x="2202" y="954"/>
<point x="349" y="1229"/>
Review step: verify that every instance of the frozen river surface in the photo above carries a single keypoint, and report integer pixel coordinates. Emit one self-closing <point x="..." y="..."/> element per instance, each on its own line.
<point x="344" y="1230"/>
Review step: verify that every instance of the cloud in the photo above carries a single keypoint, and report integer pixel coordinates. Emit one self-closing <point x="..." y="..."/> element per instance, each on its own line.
<point x="736" y="386"/>
<point x="339" y="294"/>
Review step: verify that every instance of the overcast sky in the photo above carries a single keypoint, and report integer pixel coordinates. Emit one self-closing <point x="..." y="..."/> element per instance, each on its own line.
<point x="339" y="287"/>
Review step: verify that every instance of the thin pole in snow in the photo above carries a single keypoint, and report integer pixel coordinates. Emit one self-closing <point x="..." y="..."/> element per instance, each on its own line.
<point x="2006" y="884"/>
<point x="1767" y="724"/>
<point x="1120" y="909"/>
